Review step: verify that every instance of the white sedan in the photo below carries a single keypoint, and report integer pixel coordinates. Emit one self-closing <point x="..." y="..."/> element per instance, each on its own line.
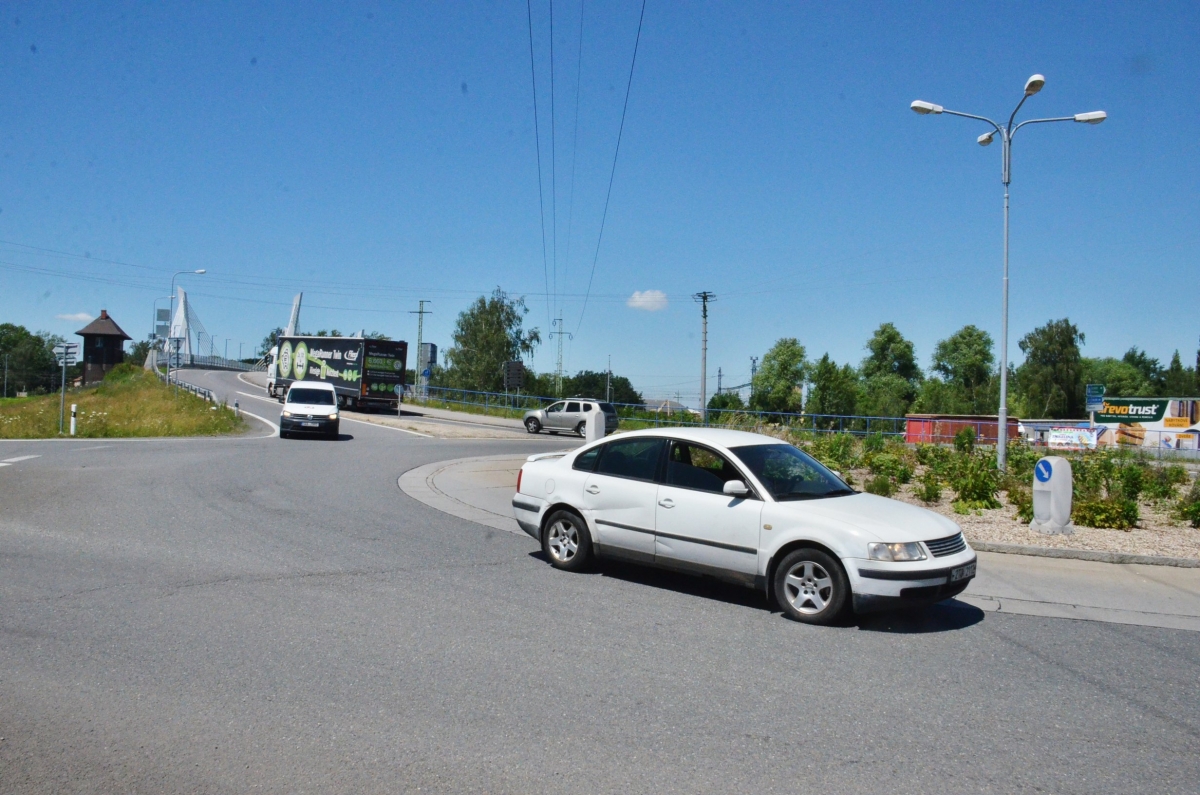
<point x="742" y="507"/>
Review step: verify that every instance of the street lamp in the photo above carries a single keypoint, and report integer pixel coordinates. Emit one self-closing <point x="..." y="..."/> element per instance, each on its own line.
<point x="170" y="309"/>
<point x="1006" y="132"/>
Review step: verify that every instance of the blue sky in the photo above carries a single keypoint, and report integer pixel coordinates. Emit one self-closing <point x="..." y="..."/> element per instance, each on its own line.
<point x="374" y="154"/>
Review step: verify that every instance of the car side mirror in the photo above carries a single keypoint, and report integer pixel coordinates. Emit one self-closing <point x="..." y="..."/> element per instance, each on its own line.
<point x="735" y="488"/>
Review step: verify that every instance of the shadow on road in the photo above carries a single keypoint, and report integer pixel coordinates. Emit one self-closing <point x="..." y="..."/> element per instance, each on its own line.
<point x="297" y="437"/>
<point x="944" y="617"/>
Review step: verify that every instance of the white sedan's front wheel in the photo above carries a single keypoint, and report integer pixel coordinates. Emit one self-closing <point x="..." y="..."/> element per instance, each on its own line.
<point x="810" y="586"/>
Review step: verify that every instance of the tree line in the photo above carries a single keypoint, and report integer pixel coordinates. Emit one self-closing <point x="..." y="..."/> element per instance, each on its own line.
<point x="963" y="377"/>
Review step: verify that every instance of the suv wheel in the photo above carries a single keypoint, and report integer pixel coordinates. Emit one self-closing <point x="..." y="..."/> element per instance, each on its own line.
<point x="532" y="425"/>
<point x="566" y="541"/>
<point x="581" y="429"/>
<point x="810" y="586"/>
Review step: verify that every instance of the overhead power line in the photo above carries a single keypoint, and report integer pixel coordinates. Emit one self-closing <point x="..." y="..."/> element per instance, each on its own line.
<point x="537" y="138"/>
<point x="616" y="152"/>
<point x="574" y="140"/>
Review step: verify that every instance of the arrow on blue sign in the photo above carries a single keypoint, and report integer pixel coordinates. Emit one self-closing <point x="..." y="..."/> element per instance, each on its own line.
<point x="1043" y="470"/>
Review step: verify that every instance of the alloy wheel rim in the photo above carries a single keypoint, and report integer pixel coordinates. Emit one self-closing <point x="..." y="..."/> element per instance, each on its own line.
<point x="808" y="587"/>
<point x="564" y="541"/>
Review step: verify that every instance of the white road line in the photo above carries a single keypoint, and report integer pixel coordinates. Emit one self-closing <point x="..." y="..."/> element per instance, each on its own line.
<point x="20" y="458"/>
<point x="263" y="419"/>
<point x="256" y="397"/>
<point x="389" y="427"/>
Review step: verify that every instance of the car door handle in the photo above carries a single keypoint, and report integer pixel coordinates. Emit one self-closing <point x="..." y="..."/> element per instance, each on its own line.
<point x="667" y="503"/>
<point x="593" y="489"/>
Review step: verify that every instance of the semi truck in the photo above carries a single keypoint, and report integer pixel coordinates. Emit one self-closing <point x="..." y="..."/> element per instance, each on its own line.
<point x="365" y="373"/>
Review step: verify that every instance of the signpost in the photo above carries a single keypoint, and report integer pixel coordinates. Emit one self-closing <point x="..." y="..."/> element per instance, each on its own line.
<point x="65" y="353"/>
<point x="1095" y="401"/>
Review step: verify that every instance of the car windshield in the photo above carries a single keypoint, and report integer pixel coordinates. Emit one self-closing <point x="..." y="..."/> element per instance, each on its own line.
<point x="312" y="397"/>
<point x="791" y="474"/>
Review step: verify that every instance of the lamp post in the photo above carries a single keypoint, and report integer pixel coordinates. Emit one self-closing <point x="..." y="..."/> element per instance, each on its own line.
<point x="170" y="308"/>
<point x="1006" y="132"/>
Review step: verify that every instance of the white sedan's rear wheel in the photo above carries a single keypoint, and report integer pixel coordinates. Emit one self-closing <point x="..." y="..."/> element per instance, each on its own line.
<point x="810" y="586"/>
<point x="566" y="541"/>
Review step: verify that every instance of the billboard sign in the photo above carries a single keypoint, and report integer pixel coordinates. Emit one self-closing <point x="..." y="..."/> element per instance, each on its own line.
<point x="1150" y="422"/>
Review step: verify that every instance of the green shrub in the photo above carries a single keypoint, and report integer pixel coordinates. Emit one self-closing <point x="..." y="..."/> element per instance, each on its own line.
<point x="964" y="440"/>
<point x="891" y="465"/>
<point x="122" y="372"/>
<point x="1113" y="513"/>
<point x="1188" y="508"/>
<point x="1022" y="499"/>
<point x="930" y="490"/>
<point x="874" y="442"/>
<point x="836" y="451"/>
<point x="975" y="481"/>
<point x="972" y="506"/>
<point x="1161" y="481"/>
<point x="1130" y="480"/>
<point x="1021" y="460"/>
<point x="881" y="485"/>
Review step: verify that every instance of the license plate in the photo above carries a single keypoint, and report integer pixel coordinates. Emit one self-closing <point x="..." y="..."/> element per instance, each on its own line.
<point x="962" y="572"/>
<point x="311" y="424"/>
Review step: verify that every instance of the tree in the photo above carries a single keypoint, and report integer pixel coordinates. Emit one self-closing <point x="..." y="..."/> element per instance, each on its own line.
<point x="588" y="383"/>
<point x="1120" y="379"/>
<point x="31" y="363"/>
<point x="486" y="335"/>
<point x="1152" y="372"/>
<point x="271" y="340"/>
<point x="889" y="353"/>
<point x="835" y="390"/>
<point x="890" y="374"/>
<point x="377" y="335"/>
<point x="1178" y="382"/>
<point x="965" y="361"/>
<point x="1050" y="381"/>
<point x="137" y="354"/>
<point x="726" y="401"/>
<point x="776" y="385"/>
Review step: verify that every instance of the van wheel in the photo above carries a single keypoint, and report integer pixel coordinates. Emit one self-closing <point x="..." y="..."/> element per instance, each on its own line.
<point x="810" y="586"/>
<point x="566" y="541"/>
<point x="532" y="425"/>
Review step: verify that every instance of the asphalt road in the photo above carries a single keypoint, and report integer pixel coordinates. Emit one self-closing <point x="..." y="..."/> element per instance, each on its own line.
<point x="253" y="614"/>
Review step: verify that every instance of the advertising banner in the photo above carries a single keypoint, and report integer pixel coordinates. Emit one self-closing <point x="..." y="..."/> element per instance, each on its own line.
<point x="384" y="368"/>
<point x="1073" y="438"/>
<point x="1150" y="422"/>
<point x="335" y="360"/>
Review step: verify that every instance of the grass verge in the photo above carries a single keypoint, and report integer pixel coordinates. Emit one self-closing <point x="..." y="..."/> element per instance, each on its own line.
<point x="130" y="402"/>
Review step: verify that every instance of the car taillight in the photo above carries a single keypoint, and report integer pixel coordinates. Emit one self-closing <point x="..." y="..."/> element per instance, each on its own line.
<point x="520" y="472"/>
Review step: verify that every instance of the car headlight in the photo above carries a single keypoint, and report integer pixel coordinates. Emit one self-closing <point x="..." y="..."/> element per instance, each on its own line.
<point x="896" y="552"/>
<point x="287" y="413"/>
<point x="333" y="416"/>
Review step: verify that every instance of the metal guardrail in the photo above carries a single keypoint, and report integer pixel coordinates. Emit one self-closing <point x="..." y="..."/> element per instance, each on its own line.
<point x="186" y="361"/>
<point x="198" y="391"/>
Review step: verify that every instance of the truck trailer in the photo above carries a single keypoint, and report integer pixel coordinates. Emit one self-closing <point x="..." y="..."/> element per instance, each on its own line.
<point x="365" y="373"/>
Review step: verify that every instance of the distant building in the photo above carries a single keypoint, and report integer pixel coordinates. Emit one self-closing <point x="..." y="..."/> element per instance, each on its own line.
<point x="103" y="347"/>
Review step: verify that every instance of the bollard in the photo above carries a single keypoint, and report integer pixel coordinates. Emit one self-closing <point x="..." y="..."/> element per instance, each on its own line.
<point x="235" y="409"/>
<point x="595" y="428"/>
<point x="1052" y="493"/>
<point x="72" y="419"/>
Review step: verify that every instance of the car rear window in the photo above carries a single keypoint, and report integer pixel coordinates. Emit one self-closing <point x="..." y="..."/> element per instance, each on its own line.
<point x="631" y="458"/>
<point x="608" y="408"/>
<point x="313" y="397"/>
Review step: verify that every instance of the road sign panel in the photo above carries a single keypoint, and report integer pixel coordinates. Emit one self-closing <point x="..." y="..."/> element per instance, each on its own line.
<point x="1095" y="397"/>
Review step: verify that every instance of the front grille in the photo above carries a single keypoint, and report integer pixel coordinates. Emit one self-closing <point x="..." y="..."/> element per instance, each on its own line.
<point x="947" y="546"/>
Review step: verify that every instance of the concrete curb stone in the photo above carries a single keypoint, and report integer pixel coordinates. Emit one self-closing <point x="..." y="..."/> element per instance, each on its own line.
<point x="1086" y="554"/>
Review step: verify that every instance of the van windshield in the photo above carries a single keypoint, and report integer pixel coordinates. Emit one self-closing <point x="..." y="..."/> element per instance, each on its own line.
<point x="313" y="397"/>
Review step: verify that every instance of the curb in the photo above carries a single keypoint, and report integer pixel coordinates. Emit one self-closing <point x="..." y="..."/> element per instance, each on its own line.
<point x="1085" y="554"/>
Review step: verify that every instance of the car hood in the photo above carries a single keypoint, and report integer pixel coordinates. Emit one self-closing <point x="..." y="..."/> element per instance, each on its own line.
<point x="310" y="408"/>
<point x="888" y="520"/>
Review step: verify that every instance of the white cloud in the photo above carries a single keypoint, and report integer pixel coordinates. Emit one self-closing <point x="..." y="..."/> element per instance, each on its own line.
<point x="650" y="300"/>
<point x="78" y="317"/>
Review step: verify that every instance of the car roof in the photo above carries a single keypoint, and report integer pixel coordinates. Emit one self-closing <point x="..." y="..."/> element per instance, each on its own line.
<point x="311" y="385"/>
<point x="721" y="437"/>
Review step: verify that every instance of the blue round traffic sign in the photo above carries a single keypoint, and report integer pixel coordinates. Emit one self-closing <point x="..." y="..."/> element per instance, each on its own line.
<point x="1043" y="470"/>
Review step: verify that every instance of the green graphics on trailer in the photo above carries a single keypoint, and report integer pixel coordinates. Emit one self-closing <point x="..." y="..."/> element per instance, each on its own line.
<point x="384" y="364"/>
<point x="336" y="360"/>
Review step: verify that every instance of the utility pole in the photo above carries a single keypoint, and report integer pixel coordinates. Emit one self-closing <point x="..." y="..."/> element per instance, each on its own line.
<point x="6" y="375"/>
<point x="607" y="380"/>
<point x="718" y="380"/>
<point x="753" y="372"/>
<point x="558" y="323"/>
<point x="704" y="297"/>
<point x="421" y="312"/>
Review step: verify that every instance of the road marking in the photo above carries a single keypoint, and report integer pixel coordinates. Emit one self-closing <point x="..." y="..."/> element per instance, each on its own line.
<point x="19" y="459"/>
<point x="263" y="419"/>
<point x="389" y="427"/>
